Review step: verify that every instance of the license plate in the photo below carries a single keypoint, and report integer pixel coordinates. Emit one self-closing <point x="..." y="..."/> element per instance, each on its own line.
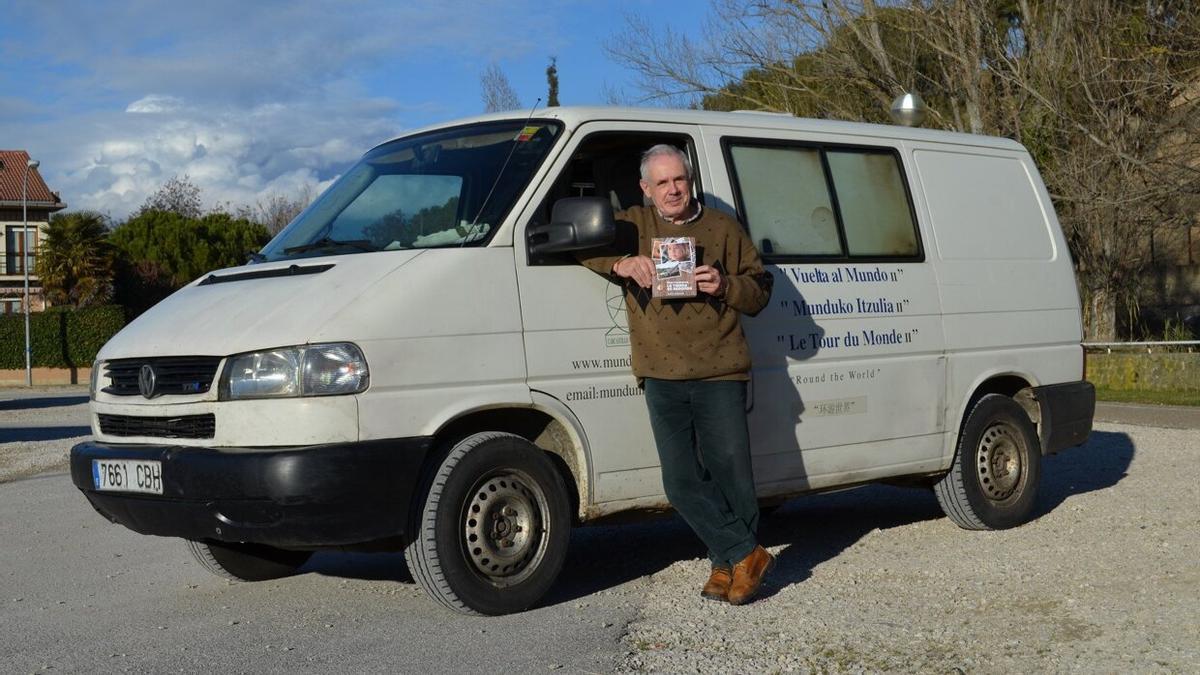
<point x="128" y="475"/>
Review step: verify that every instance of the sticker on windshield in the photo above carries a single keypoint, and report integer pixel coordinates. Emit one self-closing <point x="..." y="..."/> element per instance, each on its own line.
<point x="527" y="134"/>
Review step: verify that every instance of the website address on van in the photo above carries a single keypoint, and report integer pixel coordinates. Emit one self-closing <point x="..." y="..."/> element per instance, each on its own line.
<point x="597" y="364"/>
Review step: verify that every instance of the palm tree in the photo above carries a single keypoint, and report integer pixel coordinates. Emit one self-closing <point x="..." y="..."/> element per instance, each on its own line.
<point x="75" y="261"/>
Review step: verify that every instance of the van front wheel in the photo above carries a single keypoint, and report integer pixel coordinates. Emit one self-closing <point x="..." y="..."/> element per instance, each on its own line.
<point x="993" y="484"/>
<point x="492" y="533"/>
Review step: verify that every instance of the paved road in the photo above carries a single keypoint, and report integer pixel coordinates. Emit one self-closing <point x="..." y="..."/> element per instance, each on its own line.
<point x="60" y="408"/>
<point x="78" y="594"/>
<point x="1165" y="416"/>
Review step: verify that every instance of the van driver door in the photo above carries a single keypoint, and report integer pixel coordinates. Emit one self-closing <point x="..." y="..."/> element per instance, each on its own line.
<point x="576" y="335"/>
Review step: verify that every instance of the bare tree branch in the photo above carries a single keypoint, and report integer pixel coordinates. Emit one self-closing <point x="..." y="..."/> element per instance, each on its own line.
<point x="496" y="90"/>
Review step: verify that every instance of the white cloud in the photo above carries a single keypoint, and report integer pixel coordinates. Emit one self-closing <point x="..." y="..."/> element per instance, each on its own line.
<point x="155" y="103"/>
<point x="247" y="99"/>
<point x="234" y="157"/>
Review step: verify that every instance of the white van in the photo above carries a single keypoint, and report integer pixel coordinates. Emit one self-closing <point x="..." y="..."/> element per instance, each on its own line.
<point x="415" y="363"/>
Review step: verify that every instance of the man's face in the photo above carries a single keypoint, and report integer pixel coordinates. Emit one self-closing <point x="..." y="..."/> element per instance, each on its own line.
<point x="668" y="186"/>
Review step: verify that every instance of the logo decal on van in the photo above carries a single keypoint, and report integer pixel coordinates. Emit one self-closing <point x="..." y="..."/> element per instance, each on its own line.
<point x="614" y="299"/>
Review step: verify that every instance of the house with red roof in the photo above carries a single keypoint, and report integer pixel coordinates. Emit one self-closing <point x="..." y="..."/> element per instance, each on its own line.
<point x="20" y="186"/>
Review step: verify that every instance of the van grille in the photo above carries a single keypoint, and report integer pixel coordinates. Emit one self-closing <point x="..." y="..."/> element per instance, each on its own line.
<point x="174" y="375"/>
<point x="187" y="426"/>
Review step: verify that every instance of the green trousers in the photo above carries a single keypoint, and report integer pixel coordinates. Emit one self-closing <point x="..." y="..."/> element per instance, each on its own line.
<point x="704" y="448"/>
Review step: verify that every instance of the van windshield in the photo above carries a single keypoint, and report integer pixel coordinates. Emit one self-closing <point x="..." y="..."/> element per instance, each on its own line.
<point x="444" y="188"/>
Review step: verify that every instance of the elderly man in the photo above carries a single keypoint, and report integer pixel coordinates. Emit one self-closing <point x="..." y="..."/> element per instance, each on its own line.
<point x="692" y="359"/>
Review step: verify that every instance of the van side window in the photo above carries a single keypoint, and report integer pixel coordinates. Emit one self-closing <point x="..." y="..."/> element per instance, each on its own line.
<point x="818" y="201"/>
<point x="793" y="221"/>
<point x="874" y="204"/>
<point x="607" y="164"/>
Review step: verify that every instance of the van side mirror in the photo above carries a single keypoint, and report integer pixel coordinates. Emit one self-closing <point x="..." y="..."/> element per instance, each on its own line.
<point x="577" y="223"/>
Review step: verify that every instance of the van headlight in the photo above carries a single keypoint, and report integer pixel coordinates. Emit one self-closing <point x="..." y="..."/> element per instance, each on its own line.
<point x="309" y="370"/>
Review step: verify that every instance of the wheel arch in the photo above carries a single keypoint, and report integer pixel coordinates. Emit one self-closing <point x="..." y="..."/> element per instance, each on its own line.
<point x="1011" y="383"/>
<point x="550" y="430"/>
<point x="1015" y="385"/>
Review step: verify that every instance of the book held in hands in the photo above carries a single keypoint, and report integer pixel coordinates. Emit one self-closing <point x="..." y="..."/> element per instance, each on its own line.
<point x="675" y="266"/>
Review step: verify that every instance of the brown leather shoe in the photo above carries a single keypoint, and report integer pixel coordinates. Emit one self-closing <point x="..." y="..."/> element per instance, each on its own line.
<point x="748" y="575"/>
<point x="717" y="587"/>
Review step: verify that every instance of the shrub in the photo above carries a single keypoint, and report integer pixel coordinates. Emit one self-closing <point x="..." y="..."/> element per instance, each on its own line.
<point x="60" y="337"/>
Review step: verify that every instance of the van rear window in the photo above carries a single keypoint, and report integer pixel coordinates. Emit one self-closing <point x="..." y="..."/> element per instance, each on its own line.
<point x="809" y="201"/>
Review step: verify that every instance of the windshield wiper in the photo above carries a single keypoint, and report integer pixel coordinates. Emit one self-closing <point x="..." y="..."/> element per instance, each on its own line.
<point x="326" y="242"/>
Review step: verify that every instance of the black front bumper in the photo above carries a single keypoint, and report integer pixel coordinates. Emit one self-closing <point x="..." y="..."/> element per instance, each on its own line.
<point x="309" y="497"/>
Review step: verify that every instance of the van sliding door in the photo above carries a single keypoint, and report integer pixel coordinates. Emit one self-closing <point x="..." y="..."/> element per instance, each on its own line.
<point x="848" y="356"/>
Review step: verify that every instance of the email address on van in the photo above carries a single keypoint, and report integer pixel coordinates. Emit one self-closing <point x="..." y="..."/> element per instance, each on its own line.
<point x="595" y="392"/>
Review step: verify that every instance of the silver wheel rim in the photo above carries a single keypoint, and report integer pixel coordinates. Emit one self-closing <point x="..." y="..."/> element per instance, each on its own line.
<point x="505" y="527"/>
<point x="1000" y="462"/>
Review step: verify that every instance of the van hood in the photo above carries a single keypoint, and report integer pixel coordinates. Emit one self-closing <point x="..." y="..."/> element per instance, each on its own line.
<point x="254" y="307"/>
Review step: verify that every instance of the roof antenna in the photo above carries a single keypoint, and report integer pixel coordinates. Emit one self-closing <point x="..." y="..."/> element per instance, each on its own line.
<point x="499" y="174"/>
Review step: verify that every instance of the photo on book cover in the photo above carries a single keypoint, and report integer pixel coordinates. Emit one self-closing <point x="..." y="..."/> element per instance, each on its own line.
<point x="675" y="264"/>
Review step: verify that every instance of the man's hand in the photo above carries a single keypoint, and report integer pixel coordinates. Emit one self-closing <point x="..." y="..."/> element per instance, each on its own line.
<point x="710" y="281"/>
<point x="640" y="268"/>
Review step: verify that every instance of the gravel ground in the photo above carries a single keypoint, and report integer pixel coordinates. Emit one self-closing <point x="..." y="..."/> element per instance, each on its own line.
<point x="29" y="458"/>
<point x="1106" y="578"/>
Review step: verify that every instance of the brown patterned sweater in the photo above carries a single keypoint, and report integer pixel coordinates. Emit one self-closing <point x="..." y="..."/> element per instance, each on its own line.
<point x="693" y="338"/>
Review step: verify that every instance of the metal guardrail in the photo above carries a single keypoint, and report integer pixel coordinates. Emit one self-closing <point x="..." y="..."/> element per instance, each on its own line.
<point x="1149" y="346"/>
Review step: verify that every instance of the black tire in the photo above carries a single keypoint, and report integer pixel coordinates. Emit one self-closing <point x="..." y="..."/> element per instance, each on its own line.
<point x="491" y="533"/>
<point x="993" y="484"/>
<point x="247" y="562"/>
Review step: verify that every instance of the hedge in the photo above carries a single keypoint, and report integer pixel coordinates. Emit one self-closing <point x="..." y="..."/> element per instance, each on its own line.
<point x="1162" y="371"/>
<point x="61" y="337"/>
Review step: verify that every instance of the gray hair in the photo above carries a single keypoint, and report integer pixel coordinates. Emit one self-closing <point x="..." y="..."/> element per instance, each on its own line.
<point x="665" y="150"/>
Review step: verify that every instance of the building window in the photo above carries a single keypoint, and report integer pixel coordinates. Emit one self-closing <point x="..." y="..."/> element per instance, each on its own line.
<point x="16" y="254"/>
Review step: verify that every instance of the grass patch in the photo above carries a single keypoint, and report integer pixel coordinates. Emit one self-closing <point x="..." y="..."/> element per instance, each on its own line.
<point x="1191" y="398"/>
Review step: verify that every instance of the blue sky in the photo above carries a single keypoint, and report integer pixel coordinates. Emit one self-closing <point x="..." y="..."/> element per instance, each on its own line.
<point x="254" y="99"/>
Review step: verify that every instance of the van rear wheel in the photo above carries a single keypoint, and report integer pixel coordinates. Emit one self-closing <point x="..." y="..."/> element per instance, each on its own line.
<point x="492" y="532"/>
<point x="247" y="562"/>
<point x="993" y="483"/>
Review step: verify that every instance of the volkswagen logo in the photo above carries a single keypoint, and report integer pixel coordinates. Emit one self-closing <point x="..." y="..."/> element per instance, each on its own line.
<point x="147" y="380"/>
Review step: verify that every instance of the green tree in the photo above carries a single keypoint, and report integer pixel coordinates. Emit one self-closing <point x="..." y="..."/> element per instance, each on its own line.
<point x="552" y="82"/>
<point x="1102" y="93"/>
<point x="160" y="252"/>
<point x="75" y="261"/>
